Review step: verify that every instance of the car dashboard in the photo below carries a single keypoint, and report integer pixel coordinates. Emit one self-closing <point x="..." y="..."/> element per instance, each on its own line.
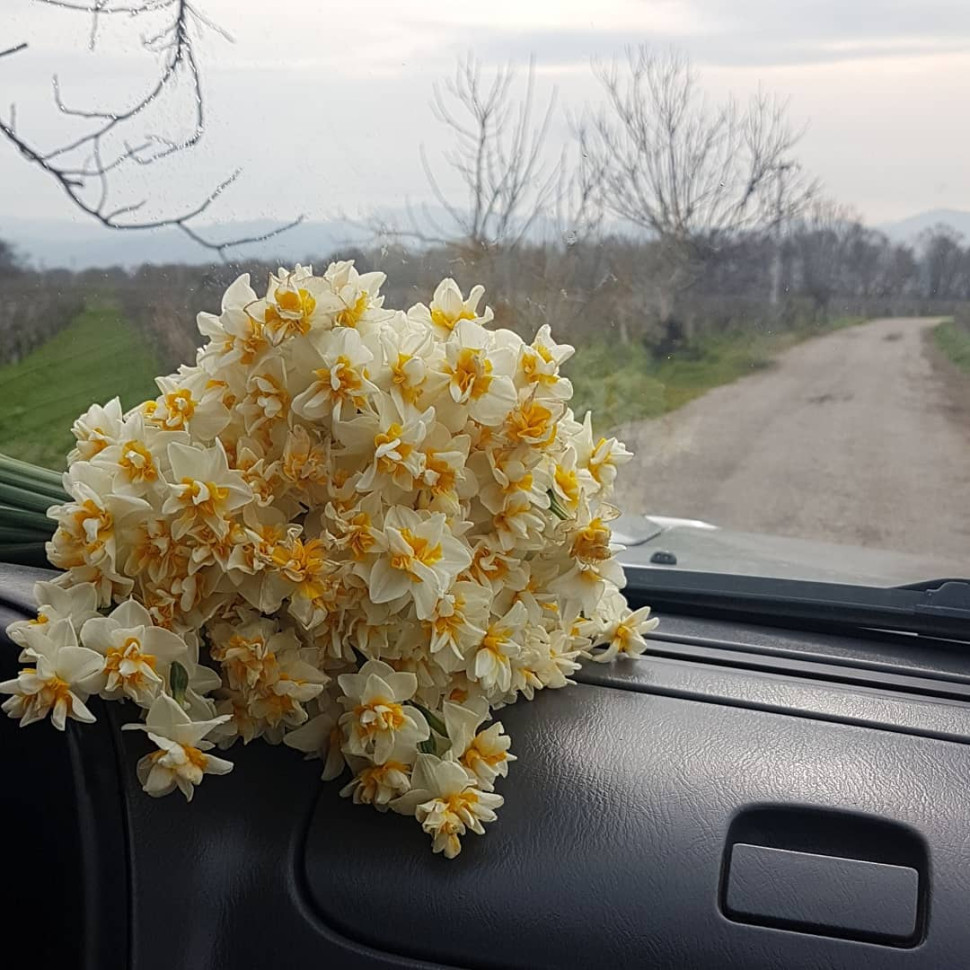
<point x="741" y="796"/>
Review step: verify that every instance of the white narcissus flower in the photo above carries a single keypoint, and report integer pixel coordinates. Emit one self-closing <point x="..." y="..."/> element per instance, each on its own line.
<point x="480" y="374"/>
<point x="55" y="685"/>
<point x="204" y="490"/>
<point x="294" y="304"/>
<point x="138" y="460"/>
<point x="420" y="558"/>
<point x="378" y="785"/>
<point x="458" y="622"/>
<point x="625" y="635"/>
<point x="377" y="721"/>
<point x="446" y="803"/>
<point x="448" y="307"/>
<point x="267" y="397"/>
<point x="388" y="444"/>
<point x="189" y="401"/>
<point x="491" y="663"/>
<point x="94" y="430"/>
<point x="91" y="529"/>
<point x="483" y="754"/>
<point x="358" y="296"/>
<point x="411" y="364"/>
<point x="539" y="366"/>
<point x="181" y="760"/>
<point x="602" y="456"/>
<point x="54" y="602"/>
<point x="235" y="336"/>
<point x="340" y="385"/>
<point x="137" y="654"/>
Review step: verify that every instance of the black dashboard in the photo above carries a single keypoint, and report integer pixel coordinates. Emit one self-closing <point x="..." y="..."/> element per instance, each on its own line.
<point x="743" y="796"/>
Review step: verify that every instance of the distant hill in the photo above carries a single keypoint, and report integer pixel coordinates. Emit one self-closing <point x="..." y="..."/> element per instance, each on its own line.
<point x="906" y="230"/>
<point x="84" y="244"/>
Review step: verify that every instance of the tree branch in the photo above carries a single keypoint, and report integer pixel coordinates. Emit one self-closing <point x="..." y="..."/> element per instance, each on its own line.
<point x="89" y="175"/>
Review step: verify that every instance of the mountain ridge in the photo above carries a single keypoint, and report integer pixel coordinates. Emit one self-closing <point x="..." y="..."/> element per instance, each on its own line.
<point x="80" y="245"/>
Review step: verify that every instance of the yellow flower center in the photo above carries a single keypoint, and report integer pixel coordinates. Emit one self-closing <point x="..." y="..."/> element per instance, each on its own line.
<point x="378" y="716"/>
<point x="94" y="524"/>
<point x="253" y="343"/>
<point x="596" y="464"/>
<point x="342" y="381"/>
<point x="359" y="535"/>
<point x="206" y="506"/>
<point x="137" y="462"/>
<point x="531" y="422"/>
<point x="461" y="800"/>
<point x="400" y="379"/>
<point x="350" y="316"/>
<point x="568" y="482"/>
<point x="292" y="312"/>
<point x="532" y="369"/>
<point x="371" y="779"/>
<point x="421" y="551"/>
<point x="303" y="564"/>
<point x="180" y="407"/>
<point x="193" y="755"/>
<point x="495" y="639"/>
<point x="445" y="477"/>
<point x="392" y="437"/>
<point x="441" y="319"/>
<point x="130" y="651"/>
<point x="592" y="543"/>
<point x="471" y="373"/>
<point x="476" y="754"/>
<point x="622" y="636"/>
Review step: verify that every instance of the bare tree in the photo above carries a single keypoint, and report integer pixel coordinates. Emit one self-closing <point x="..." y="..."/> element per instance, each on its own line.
<point x="820" y="243"/>
<point x="579" y="193"/>
<point x="115" y="142"/>
<point x="683" y="170"/>
<point x="497" y="150"/>
<point x="943" y="261"/>
<point x="689" y="174"/>
<point x="10" y="262"/>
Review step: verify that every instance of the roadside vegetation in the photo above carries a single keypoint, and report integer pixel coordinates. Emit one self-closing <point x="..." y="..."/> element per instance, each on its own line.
<point x="952" y="338"/>
<point x="627" y="383"/>
<point x="94" y="358"/>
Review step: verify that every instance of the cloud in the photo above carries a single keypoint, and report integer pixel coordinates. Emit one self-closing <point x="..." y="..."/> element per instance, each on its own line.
<point x="557" y="49"/>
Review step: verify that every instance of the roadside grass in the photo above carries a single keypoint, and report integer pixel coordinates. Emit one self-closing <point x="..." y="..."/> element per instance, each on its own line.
<point x="95" y="358"/>
<point x="626" y="383"/>
<point x="952" y="338"/>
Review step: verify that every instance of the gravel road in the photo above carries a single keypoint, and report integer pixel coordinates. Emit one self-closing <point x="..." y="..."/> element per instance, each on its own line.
<point x="858" y="437"/>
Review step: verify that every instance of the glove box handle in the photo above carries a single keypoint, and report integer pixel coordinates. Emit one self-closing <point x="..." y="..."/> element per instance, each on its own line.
<point x="825" y="872"/>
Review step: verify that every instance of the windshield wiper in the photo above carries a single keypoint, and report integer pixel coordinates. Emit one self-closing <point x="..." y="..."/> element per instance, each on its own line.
<point x="940" y="608"/>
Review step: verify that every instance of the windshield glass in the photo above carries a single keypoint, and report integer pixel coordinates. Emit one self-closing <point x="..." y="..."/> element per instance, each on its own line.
<point x="752" y="222"/>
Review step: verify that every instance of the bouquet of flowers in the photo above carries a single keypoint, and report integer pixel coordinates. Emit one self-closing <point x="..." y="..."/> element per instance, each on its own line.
<point x="353" y="530"/>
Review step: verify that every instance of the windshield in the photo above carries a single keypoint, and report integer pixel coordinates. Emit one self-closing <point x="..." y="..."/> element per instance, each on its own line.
<point x="751" y="221"/>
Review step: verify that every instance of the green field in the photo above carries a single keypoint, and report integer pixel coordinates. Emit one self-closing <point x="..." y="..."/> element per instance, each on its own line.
<point x="625" y="383"/>
<point x="95" y="358"/>
<point x="953" y="339"/>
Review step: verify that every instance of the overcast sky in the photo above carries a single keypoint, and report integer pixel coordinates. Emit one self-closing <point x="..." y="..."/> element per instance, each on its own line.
<point x="324" y="104"/>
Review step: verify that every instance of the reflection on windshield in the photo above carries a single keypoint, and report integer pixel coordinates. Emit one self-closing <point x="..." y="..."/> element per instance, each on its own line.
<point x="766" y="280"/>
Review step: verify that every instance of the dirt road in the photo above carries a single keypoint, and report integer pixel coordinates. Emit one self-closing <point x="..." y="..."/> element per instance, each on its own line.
<point x="854" y="437"/>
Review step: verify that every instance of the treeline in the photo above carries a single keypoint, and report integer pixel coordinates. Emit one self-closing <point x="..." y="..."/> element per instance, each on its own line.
<point x="615" y="287"/>
<point x="33" y="306"/>
<point x="612" y="286"/>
